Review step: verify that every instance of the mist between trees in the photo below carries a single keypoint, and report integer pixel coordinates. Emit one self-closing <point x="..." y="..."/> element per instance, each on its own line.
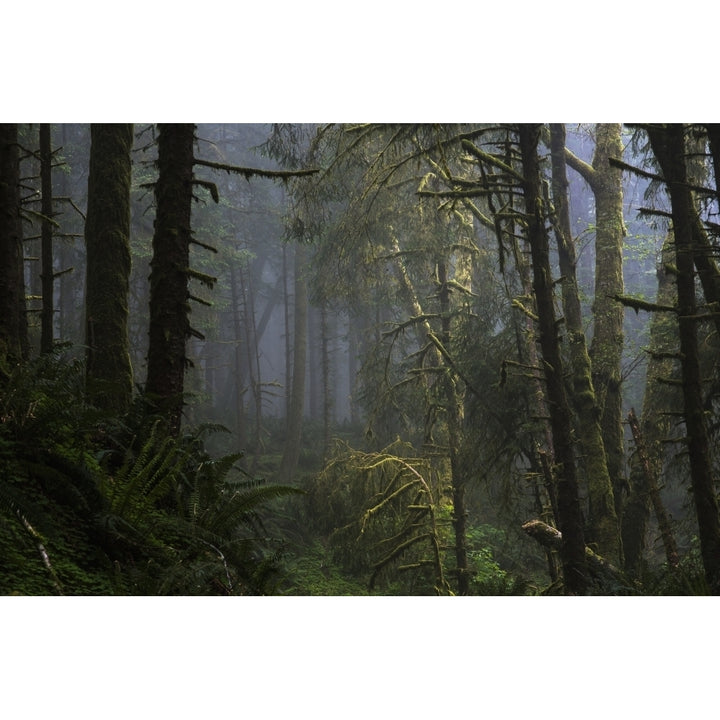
<point x="359" y="359"/>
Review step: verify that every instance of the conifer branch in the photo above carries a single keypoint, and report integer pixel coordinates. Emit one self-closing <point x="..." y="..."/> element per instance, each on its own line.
<point x="210" y="186"/>
<point x="248" y="172"/>
<point x="637" y="304"/>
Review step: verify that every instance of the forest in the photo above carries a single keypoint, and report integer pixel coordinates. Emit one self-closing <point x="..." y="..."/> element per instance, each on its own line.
<point x="398" y="359"/>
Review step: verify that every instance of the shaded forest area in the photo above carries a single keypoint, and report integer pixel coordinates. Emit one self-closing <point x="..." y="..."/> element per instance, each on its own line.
<point x="301" y="359"/>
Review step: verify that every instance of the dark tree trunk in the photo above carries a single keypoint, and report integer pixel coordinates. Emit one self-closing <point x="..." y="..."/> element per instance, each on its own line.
<point x="454" y="411"/>
<point x="648" y="470"/>
<point x="569" y="513"/>
<point x="669" y="142"/>
<point x="107" y="238"/>
<point x="655" y="422"/>
<point x="252" y="358"/>
<point x="14" y="344"/>
<point x="46" y="233"/>
<point x="169" y="296"/>
<point x="288" y="336"/>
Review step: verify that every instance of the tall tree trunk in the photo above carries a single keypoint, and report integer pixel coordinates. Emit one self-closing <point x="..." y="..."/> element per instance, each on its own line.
<point x="46" y="251"/>
<point x="654" y="424"/>
<point x="669" y="141"/>
<point x="64" y="254"/>
<point x="169" y="321"/>
<point x="288" y="337"/>
<point x="353" y="351"/>
<point x="238" y="359"/>
<point x="14" y="343"/>
<point x="569" y="513"/>
<point x="454" y="409"/>
<point x="253" y="359"/>
<point x="107" y="238"/>
<point x="291" y="452"/>
<point x="328" y="394"/>
<point x="607" y="344"/>
<point x="314" y="364"/>
<point x="603" y="529"/>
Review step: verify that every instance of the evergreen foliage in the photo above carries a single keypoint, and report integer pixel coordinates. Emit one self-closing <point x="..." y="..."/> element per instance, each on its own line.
<point x="91" y="505"/>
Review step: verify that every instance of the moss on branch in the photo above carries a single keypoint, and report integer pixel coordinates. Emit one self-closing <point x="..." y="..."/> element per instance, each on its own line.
<point x="637" y="304"/>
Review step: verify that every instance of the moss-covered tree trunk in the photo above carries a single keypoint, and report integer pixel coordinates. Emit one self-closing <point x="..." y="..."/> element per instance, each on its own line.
<point x="454" y="410"/>
<point x="669" y="141"/>
<point x="654" y="423"/>
<point x="14" y="344"/>
<point x="607" y="343"/>
<point x="107" y="241"/>
<point x="169" y="294"/>
<point x="603" y="530"/>
<point x="569" y="512"/>
<point x="648" y="470"/>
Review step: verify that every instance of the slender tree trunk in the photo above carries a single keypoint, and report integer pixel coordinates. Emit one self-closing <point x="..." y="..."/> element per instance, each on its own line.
<point x="570" y="516"/>
<point x="291" y="453"/>
<point x="314" y="365"/>
<point x="14" y="343"/>
<point x="107" y="238"/>
<point x="670" y="141"/>
<point x="353" y="351"/>
<point x="238" y="359"/>
<point x="603" y="529"/>
<point x="327" y="378"/>
<point x="253" y="359"/>
<point x="169" y="321"/>
<point x="288" y="338"/>
<point x="454" y="409"/>
<point x="64" y="258"/>
<point x="46" y="250"/>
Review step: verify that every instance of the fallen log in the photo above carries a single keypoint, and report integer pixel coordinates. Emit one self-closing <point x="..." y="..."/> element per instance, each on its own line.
<point x="601" y="570"/>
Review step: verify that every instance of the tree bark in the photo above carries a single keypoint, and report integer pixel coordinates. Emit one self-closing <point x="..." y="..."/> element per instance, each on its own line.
<point x="169" y="309"/>
<point x="14" y="343"/>
<point x="107" y="239"/>
<point x="650" y="480"/>
<point x="46" y="232"/>
<point x="454" y="402"/>
<point x="655" y="423"/>
<point x="669" y="141"/>
<point x="607" y="344"/>
<point x="603" y="529"/>
<point x="598" y="566"/>
<point x="606" y="347"/>
<point x="569" y="513"/>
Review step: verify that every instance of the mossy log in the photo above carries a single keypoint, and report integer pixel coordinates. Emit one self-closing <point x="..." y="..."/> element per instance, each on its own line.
<point x="600" y="569"/>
